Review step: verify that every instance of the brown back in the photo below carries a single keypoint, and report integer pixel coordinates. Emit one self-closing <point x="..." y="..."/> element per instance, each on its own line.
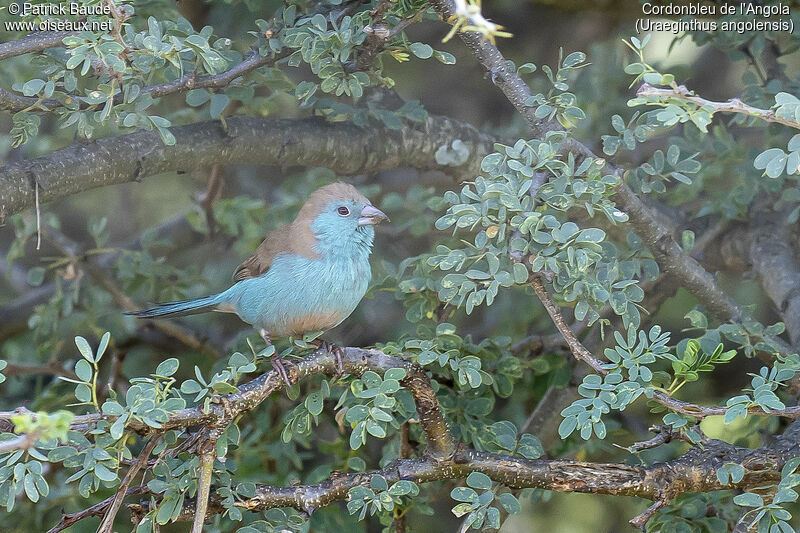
<point x="296" y="237"/>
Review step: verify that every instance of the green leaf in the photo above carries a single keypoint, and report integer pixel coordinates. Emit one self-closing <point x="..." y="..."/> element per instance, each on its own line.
<point x="567" y="426"/>
<point x="593" y="235"/>
<point x="421" y="50"/>
<point x="112" y="408"/>
<point x="378" y="482"/>
<point x="36" y="276"/>
<point x="223" y="387"/>
<point x="444" y="57"/>
<point x="510" y="503"/>
<point x="61" y="453"/>
<point x="103" y="473"/>
<point x="197" y="97"/>
<point x="30" y="488"/>
<point x="748" y="499"/>
<point x="375" y="429"/>
<point x="520" y="273"/>
<point x="83" y="370"/>
<point x="218" y="104"/>
<point x="118" y="427"/>
<point x="190" y="386"/>
<point x="166" y="509"/>
<point x="167" y="367"/>
<point x="463" y="494"/>
<point x="314" y="403"/>
<point x="396" y="373"/>
<point x="84" y="348"/>
<point x="479" y="480"/>
<point x="32" y="87"/>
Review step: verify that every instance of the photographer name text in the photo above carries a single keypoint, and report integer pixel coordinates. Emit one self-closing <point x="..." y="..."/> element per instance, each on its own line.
<point x="52" y="11"/>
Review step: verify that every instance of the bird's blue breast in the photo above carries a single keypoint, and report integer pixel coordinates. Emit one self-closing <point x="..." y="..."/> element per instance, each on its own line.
<point x="297" y="294"/>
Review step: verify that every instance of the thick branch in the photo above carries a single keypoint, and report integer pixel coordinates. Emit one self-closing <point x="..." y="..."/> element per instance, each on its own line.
<point x="776" y="262"/>
<point x="35" y="42"/>
<point x="695" y="471"/>
<point x="342" y="147"/>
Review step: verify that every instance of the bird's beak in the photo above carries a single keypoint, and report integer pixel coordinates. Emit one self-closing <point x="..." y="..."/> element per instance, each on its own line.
<point x="371" y="215"/>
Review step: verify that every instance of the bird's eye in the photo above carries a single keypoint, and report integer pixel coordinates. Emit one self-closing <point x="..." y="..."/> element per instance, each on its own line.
<point x="343" y="211"/>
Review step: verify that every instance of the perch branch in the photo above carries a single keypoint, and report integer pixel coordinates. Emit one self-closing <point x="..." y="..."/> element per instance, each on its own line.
<point x="253" y="393"/>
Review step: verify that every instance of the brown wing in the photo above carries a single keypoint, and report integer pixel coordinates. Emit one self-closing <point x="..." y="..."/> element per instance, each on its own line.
<point x="294" y="238"/>
<point x="259" y="262"/>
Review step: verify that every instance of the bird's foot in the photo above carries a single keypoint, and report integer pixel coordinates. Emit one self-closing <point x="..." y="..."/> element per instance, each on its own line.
<point x="280" y="367"/>
<point x="336" y="351"/>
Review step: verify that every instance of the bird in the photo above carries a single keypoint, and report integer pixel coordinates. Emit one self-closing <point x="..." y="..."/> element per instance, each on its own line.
<point x="306" y="276"/>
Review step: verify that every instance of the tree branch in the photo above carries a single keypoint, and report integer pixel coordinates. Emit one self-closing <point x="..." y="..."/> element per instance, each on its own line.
<point x="341" y="146"/>
<point x="502" y="74"/>
<point x="97" y="509"/>
<point x="253" y="393"/>
<point x="217" y="81"/>
<point x="107" y="524"/>
<point x="695" y="471"/>
<point x="689" y="273"/>
<point x="35" y="42"/>
<point x="207" y="451"/>
<point x="581" y="353"/>
<point x="49" y="369"/>
<point x="776" y="262"/>
<point x="578" y="350"/>
<point x="734" y="105"/>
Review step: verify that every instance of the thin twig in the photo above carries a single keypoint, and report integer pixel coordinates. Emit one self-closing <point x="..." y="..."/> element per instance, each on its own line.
<point x="207" y="451"/>
<point x="578" y="350"/>
<point x="581" y="353"/>
<point x="734" y="105"/>
<point x="38" y="218"/>
<point x="50" y="369"/>
<point x="97" y="509"/>
<point x="23" y="442"/>
<point x="640" y="520"/>
<point x="405" y="23"/>
<point x="107" y="525"/>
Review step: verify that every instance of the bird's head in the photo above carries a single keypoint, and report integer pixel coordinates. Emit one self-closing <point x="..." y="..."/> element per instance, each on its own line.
<point x="341" y="219"/>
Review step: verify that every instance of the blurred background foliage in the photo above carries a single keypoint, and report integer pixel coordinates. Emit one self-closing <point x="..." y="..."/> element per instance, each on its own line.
<point x="165" y="239"/>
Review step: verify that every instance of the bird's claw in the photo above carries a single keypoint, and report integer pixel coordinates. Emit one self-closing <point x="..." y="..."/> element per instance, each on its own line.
<point x="338" y="355"/>
<point x="280" y="367"/>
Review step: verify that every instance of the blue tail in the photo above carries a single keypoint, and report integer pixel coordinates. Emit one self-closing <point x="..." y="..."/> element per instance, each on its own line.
<point x="182" y="308"/>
